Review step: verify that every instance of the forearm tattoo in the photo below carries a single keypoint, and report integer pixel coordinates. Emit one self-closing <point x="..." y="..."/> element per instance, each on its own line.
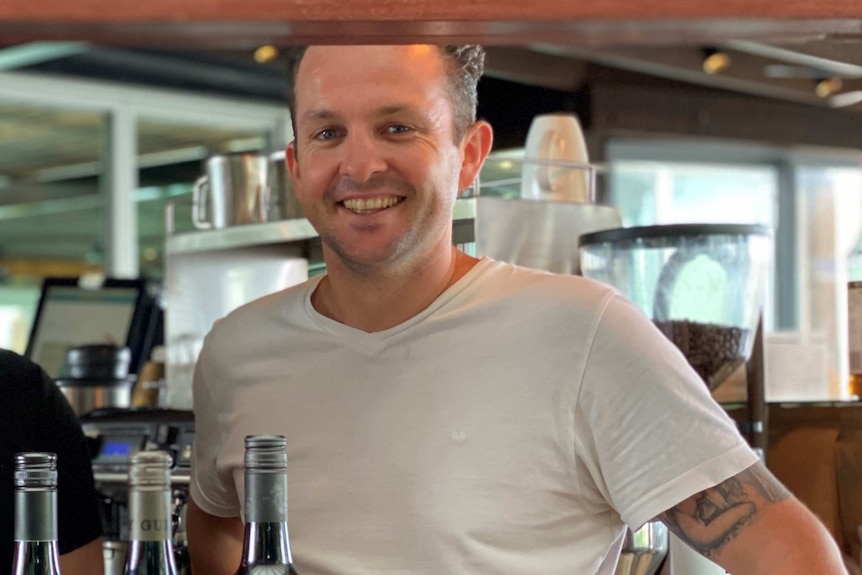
<point x="715" y="516"/>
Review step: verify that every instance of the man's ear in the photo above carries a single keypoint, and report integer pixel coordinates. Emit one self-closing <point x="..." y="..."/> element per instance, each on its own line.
<point x="474" y="149"/>
<point x="292" y="164"/>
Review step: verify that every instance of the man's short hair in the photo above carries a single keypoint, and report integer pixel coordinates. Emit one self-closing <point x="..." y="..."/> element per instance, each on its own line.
<point x="464" y="66"/>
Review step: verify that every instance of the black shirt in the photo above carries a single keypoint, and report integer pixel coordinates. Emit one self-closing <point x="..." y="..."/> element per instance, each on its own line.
<point x="35" y="416"/>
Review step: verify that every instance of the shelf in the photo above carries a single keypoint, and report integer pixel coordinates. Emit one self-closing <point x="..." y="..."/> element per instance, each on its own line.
<point x="283" y="231"/>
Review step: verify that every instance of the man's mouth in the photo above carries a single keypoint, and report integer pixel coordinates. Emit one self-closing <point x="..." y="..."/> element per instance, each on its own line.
<point x="370" y="205"/>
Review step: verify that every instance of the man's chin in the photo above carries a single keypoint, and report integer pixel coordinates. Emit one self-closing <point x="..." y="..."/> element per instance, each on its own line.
<point x="366" y="258"/>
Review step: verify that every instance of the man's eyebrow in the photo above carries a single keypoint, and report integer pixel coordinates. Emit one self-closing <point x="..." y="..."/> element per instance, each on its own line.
<point x="395" y="109"/>
<point x="319" y="115"/>
<point x="322" y="114"/>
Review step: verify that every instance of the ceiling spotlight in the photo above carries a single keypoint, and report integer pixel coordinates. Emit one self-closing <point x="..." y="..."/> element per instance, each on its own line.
<point x="265" y="54"/>
<point x="845" y="99"/>
<point x="827" y="86"/>
<point x="715" y="61"/>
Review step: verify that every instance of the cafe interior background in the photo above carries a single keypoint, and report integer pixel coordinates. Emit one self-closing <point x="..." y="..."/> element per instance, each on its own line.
<point x="100" y="147"/>
<point x="765" y="137"/>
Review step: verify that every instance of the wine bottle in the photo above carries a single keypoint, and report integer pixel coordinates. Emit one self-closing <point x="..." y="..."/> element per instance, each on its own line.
<point x="150" y="548"/>
<point x="854" y="320"/>
<point x="36" y="551"/>
<point x="266" y="547"/>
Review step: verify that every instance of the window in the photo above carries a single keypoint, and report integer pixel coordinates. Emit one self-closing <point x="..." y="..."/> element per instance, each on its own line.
<point x="813" y="201"/>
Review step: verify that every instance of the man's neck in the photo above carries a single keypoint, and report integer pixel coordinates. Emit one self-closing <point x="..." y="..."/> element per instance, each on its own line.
<point x="378" y="303"/>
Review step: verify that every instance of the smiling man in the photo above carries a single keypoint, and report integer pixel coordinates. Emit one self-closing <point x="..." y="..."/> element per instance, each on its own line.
<point x="377" y="160"/>
<point x="446" y="414"/>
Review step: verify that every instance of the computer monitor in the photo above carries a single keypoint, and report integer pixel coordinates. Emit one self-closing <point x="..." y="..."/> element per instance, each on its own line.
<point x="120" y="312"/>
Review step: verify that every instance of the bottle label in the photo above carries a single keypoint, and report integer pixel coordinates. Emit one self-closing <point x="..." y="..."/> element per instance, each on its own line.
<point x="35" y="515"/>
<point x="266" y="497"/>
<point x="149" y="515"/>
<point x="854" y="331"/>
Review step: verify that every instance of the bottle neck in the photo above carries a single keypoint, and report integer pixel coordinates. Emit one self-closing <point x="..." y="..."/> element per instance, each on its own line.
<point x="36" y="558"/>
<point x="150" y="558"/>
<point x="266" y="538"/>
<point x="149" y="514"/>
<point x="36" y="514"/>
<point x="266" y="544"/>
<point x="266" y="497"/>
<point x="150" y="549"/>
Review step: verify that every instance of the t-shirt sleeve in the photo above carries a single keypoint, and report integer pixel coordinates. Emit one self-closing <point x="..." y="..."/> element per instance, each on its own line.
<point x="211" y="488"/>
<point x="649" y="433"/>
<point x="59" y="431"/>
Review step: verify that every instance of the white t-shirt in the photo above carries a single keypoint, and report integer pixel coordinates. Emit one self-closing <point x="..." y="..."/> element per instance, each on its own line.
<point x="516" y="425"/>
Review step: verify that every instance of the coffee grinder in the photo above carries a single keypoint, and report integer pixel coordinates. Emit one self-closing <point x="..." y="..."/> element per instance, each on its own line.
<point x="703" y="285"/>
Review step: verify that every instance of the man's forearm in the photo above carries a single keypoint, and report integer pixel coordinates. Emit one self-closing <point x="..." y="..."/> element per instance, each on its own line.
<point x="215" y="543"/>
<point x="86" y="560"/>
<point x="750" y="524"/>
<point x="799" y="544"/>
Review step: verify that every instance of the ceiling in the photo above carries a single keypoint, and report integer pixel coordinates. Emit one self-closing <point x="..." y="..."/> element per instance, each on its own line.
<point x="36" y="143"/>
<point x="52" y="155"/>
<point x="45" y="145"/>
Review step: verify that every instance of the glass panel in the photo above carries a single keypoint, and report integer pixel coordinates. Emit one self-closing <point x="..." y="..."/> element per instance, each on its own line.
<point x="830" y="226"/>
<point x="649" y="193"/>
<point x="51" y="217"/>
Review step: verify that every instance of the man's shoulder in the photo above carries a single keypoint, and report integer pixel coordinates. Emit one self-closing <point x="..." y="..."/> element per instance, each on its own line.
<point x="512" y="281"/>
<point x="280" y="303"/>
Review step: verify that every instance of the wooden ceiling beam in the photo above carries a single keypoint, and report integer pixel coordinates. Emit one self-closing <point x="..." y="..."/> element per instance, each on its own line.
<point x="410" y="10"/>
<point x="230" y="24"/>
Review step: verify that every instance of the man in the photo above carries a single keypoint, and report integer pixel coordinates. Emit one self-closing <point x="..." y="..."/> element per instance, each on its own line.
<point x="452" y="415"/>
<point x="38" y="418"/>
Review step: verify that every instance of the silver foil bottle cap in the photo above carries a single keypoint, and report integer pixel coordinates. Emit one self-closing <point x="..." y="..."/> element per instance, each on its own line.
<point x="150" y="468"/>
<point x="35" y="469"/>
<point x="266" y="452"/>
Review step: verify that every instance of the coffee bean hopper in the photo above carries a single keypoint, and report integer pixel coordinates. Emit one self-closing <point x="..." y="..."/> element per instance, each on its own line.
<point x="703" y="287"/>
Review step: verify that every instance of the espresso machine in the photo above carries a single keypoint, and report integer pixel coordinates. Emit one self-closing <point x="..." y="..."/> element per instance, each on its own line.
<point x="114" y="436"/>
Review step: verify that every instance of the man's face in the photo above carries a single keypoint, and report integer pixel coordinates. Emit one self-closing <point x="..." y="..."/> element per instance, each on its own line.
<point x="374" y="160"/>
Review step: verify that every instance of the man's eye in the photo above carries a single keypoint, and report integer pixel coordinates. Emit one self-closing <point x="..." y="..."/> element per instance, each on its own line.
<point x="327" y="134"/>
<point x="397" y="129"/>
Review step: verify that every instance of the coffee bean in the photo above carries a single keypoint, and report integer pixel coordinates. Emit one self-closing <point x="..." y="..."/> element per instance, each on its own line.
<point x="714" y="351"/>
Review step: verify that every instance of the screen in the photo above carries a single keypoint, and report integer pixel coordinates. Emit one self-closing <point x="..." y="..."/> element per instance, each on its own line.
<point x="115" y="448"/>
<point x="119" y="449"/>
<point x="71" y="316"/>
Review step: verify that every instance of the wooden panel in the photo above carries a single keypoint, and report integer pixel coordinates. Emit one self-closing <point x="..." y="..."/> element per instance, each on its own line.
<point x="648" y="106"/>
<point x="222" y="23"/>
<point x="393" y="10"/>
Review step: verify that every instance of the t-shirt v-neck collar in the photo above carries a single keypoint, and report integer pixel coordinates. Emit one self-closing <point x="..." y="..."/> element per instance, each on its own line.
<point x="376" y="341"/>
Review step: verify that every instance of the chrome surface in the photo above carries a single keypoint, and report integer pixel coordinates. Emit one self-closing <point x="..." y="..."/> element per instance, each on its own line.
<point x="86" y="398"/>
<point x="235" y="191"/>
<point x="644" y="550"/>
<point x="178" y="478"/>
<point x="285" y="205"/>
<point x="114" y="553"/>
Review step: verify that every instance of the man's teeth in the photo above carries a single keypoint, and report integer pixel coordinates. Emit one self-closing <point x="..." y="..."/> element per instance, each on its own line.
<point x="370" y="204"/>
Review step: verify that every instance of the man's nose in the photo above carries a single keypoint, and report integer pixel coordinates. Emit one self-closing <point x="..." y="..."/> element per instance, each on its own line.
<point x="362" y="157"/>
